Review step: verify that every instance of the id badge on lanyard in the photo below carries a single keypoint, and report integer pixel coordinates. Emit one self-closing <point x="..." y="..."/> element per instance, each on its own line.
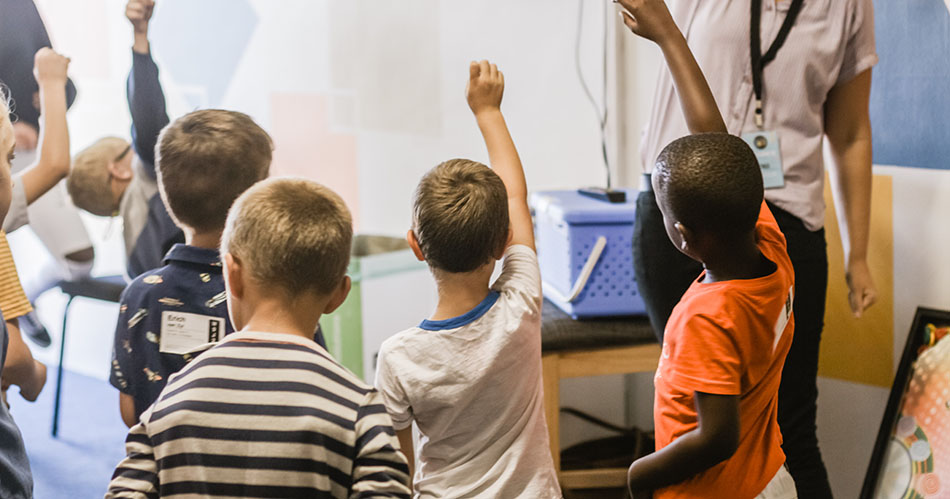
<point x="765" y="143"/>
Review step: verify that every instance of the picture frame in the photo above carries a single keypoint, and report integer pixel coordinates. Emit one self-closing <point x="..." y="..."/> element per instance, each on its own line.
<point x="903" y="464"/>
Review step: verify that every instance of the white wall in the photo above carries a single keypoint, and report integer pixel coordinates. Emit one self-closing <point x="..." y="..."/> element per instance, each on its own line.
<point x="393" y="73"/>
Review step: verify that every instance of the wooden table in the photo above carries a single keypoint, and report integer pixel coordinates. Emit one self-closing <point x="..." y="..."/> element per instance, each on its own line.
<point x="572" y="349"/>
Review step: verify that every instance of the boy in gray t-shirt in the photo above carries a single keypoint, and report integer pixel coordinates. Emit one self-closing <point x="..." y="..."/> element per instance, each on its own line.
<point x="470" y="375"/>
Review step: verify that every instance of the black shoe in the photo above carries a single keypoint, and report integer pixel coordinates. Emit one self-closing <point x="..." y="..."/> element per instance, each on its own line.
<point x="33" y="329"/>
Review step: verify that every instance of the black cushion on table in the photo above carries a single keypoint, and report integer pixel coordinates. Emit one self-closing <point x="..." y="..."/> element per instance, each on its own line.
<point x="105" y="288"/>
<point x="560" y="332"/>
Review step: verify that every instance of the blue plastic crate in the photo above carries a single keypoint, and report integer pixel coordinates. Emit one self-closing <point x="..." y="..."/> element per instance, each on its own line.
<point x="568" y="227"/>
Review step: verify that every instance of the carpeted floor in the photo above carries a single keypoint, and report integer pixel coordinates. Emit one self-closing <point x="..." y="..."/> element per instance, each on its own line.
<point x="79" y="464"/>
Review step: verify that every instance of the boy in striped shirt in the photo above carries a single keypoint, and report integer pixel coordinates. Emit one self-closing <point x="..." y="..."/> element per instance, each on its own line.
<point x="267" y="412"/>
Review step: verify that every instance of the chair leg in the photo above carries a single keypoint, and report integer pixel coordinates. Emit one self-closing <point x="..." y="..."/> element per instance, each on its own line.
<point x="59" y="370"/>
<point x="552" y="403"/>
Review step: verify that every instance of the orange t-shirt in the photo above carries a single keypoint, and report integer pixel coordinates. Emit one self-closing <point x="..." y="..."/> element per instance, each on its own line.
<point x="730" y="338"/>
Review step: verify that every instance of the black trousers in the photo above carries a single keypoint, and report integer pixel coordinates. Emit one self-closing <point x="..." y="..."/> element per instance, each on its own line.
<point x="663" y="274"/>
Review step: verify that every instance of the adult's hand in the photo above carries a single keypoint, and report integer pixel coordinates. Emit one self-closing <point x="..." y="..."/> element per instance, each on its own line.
<point x="861" y="291"/>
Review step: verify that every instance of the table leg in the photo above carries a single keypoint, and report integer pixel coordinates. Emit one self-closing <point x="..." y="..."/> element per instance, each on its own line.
<point x="59" y="369"/>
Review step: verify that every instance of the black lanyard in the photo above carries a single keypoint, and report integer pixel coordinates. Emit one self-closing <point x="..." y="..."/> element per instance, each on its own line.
<point x="760" y="60"/>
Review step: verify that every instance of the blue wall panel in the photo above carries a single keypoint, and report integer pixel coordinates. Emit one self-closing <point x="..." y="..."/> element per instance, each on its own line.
<point x="910" y="98"/>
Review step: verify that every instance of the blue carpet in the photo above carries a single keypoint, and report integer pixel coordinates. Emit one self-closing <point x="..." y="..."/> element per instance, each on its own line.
<point x="91" y="439"/>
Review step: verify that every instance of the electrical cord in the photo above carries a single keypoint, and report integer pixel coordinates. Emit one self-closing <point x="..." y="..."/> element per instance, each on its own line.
<point x="597" y="421"/>
<point x="600" y="112"/>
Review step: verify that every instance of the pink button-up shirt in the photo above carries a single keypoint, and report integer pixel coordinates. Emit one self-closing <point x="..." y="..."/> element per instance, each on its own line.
<point x="831" y="42"/>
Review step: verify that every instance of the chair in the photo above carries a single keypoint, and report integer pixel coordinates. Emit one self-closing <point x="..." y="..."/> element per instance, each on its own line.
<point x="106" y="288"/>
<point x="573" y="349"/>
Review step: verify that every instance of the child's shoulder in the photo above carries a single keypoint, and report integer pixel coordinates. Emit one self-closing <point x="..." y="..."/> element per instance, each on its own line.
<point x="268" y="351"/>
<point x="186" y="268"/>
<point x="145" y="285"/>
<point x="713" y="305"/>
<point x="403" y="341"/>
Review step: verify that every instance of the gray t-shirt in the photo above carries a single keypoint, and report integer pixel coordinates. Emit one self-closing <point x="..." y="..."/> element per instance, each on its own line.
<point x="16" y="481"/>
<point x="473" y="386"/>
<point x="133" y="207"/>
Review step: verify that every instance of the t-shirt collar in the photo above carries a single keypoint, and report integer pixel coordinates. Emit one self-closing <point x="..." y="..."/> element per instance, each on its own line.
<point x="193" y="254"/>
<point x="464" y="319"/>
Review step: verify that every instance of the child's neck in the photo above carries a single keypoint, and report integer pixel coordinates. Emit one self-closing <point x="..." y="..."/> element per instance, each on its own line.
<point x="739" y="260"/>
<point x="275" y="315"/>
<point x="203" y="239"/>
<point x="460" y="293"/>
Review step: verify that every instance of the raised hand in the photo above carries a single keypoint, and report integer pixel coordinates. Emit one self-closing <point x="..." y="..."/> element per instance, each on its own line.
<point x="650" y="19"/>
<point x="485" y="88"/>
<point x="139" y="12"/>
<point x="49" y="67"/>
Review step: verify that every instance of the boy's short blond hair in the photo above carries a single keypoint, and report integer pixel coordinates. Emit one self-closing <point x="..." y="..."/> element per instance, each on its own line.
<point x="460" y="215"/>
<point x="88" y="181"/>
<point x="291" y="234"/>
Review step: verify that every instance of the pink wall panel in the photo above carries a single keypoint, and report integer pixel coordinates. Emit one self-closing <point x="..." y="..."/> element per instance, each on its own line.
<point x="305" y="145"/>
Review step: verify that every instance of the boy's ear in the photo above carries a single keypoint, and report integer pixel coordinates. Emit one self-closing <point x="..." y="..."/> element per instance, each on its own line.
<point x="414" y="244"/>
<point x="119" y="170"/>
<point x="687" y="237"/>
<point x="233" y="275"/>
<point x="339" y="295"/>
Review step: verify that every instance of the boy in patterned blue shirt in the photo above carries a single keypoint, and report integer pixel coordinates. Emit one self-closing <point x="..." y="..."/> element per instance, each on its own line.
<point x="205" y="160"/>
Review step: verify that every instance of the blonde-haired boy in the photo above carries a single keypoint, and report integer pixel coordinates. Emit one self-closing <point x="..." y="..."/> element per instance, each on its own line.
<point x="470" y="375"/>
<point x="267" y="412"/>
<point x="116" y="177"/>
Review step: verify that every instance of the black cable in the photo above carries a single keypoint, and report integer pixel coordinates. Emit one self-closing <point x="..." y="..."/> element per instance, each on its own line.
<point x="597" y="421"/>
<point x="601" y="113"/>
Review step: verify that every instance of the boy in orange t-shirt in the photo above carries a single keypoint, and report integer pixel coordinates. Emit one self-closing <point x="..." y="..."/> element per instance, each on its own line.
<point x="716" y="407"/>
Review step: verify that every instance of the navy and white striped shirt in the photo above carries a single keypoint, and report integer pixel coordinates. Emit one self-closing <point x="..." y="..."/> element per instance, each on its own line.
<point x="263" y="415"/>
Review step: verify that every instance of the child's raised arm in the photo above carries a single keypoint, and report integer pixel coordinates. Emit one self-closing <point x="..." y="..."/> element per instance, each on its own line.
<point x="144" y="90"/>
<point x="652" y="20"/>
<point x="486" y="85"/>
<point x="53" y="162"/>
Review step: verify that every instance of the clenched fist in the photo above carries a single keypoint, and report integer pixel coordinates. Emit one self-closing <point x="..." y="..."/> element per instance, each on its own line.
<point x="49" y="67"/>
<point x="139" y="12"/>
<point x="650" y="19"/>
<point x="486" y="85"/>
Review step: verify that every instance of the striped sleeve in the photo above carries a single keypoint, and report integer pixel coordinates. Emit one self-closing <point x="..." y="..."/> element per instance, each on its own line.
<point x="13" y="301"/>
<point x="136" y="477"/>
<point x="380" y="468"/>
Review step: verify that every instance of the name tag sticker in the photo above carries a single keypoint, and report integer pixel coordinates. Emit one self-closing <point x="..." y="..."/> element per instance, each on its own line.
<point x="183" y="332"/>
<point x="765" y="145"/>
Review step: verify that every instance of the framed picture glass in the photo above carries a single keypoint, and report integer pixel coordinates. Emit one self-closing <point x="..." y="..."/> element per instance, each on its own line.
<point x="911" y="458"/>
